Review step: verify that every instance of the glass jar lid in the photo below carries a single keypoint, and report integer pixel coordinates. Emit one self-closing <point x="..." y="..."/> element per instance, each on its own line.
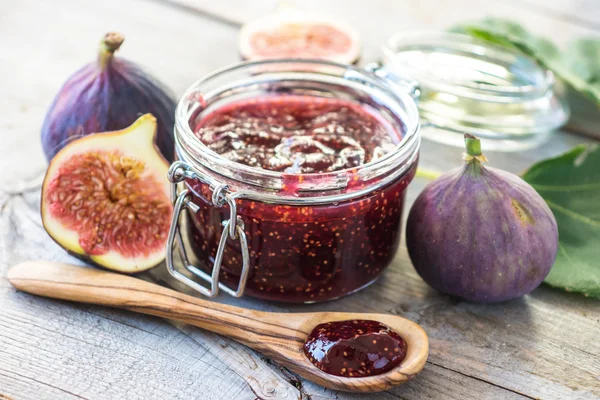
<point x="468" y="85"/>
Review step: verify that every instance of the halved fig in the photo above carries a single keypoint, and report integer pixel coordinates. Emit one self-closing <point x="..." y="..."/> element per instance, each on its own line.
<point x="105" y="198"/>
<point x="299" y="34"/>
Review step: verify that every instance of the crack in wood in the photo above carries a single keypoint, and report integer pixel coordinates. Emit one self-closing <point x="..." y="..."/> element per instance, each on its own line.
<point x="43" y="383"/>
<point x="199" y="12"/>
<point x="44" y="328"/>
<point x="281" y="373"/>
<point x="541" y="8"/>
<point x="483" y="380"/>
<point x="397" y="396"/>
<point x="106" y="317"/>
<point x="4" y="204"/>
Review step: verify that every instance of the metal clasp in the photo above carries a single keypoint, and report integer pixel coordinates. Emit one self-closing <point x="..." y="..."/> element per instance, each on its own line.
<point x="178" y="172"/>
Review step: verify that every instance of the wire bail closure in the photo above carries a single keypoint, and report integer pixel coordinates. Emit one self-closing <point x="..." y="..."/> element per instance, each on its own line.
<point x="178" y="172"/>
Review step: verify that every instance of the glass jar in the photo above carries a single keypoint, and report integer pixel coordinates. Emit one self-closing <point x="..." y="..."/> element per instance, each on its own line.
<point x="287" y="236"/>
<point x="468" y="85"/>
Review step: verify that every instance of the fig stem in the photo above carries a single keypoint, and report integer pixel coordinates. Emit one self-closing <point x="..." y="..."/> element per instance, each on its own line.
<point x="473" y="146"/>
<point x="108" y="45"/>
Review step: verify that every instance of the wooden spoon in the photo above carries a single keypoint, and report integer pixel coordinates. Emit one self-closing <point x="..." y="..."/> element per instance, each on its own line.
<point x="279" y="336"/>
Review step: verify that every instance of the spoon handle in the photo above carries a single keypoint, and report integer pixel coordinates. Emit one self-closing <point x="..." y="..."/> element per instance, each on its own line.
<point x="86" y="285"/>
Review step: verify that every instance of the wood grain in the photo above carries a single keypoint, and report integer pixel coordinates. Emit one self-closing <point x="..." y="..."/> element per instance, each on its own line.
<point x="577" y="12"/>
<point x="379" y="19"/>
<point x="38" y="57"/>
<point x="543" y="346"/>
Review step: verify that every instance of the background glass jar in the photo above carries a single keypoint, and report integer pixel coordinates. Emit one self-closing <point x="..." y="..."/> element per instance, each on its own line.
<point x="281" y="236"/>
<point x="468" y="85"/>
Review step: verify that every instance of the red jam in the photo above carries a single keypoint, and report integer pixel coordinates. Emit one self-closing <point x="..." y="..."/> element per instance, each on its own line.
<point x="355" y="349"/>
<point x="301" y="253"/>
<point x="297" y="134"/>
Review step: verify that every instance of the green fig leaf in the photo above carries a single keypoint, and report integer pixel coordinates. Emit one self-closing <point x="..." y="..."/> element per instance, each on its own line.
<point x="582" y="57"/>
<point x="511" y="35"/>
<point x="578" y="66"/>
<point x="570" y="184"/>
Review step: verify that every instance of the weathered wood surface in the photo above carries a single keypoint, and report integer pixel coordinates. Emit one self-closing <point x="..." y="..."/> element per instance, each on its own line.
<point x="542" y="346"/>
<point x="279" y="336"/>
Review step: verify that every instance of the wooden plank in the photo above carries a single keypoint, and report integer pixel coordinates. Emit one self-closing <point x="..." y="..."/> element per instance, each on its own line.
<point x="381" y="18"/>
<point x="55" y="340"/>
<point x="56" y="350"/>
<point x="577" y="12"/>
<point x="119" y="359"/>
<point x="50" y="349"/>
<point x="114" y="327"/>
<point x="434" y="383"/>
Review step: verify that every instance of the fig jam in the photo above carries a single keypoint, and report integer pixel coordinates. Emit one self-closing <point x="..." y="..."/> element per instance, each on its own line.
<point x="313" y="252"/>
<point x="356" y="348"/>
<point x="297" y="134"/>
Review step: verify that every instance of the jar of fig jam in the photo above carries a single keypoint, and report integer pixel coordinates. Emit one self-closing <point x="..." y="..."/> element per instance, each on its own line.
<point x="292" y="175"/>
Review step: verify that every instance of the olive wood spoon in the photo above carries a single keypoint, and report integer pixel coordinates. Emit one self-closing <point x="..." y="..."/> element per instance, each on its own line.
<point x="279" y="336"/>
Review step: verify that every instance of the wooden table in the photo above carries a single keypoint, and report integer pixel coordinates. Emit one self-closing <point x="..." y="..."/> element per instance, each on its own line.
<point x="545" y="345"/>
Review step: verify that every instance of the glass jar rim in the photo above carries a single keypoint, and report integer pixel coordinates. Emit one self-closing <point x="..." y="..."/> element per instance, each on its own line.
<point x="478" y="87"/>
<point x="191" y="150"/>
<point x="540" y="80"/>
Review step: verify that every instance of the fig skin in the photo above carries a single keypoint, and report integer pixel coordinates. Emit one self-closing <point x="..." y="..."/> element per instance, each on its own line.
<point x="107" y="185"/>
<point x="107" y="95"/>
<point x="481" y="234"/>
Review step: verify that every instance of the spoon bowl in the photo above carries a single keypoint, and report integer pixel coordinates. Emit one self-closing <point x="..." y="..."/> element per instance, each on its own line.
<point x="279" y="336"/>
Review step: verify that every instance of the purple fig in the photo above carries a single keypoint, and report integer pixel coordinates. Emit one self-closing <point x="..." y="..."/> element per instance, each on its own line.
<point x="480" y="233"/>
<point x="108" y="95"/>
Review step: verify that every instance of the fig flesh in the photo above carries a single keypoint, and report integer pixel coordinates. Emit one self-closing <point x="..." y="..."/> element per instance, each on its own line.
<point x="105" y="198"/>
<point x="480" y="233"/>
<point x="107" y="95"/>
<point x="290" y="33"/>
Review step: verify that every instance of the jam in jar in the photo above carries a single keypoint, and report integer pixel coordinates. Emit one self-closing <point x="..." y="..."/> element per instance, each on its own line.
<point x="297" y="134"/>
<point x="316" y="166"/>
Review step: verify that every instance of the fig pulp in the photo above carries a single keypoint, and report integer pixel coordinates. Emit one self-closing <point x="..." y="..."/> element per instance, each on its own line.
<point x="480" y="233"/>
<point x="290" y="33"/>
<point x="107" y="95"/>
<point x="105" y="198"/>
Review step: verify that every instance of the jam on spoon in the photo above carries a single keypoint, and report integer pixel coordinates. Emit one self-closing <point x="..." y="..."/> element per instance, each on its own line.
<point x="356" y="348"/>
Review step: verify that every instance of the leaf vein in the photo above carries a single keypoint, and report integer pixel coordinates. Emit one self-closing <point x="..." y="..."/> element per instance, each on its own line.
<point x="566" y="188"/>
<point x="573" y="214"/>
<point x="564" y="253"/>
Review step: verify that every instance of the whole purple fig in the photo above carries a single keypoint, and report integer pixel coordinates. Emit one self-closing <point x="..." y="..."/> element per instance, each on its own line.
<point x="108" y="95"/>
<point x="481" y="234"/>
